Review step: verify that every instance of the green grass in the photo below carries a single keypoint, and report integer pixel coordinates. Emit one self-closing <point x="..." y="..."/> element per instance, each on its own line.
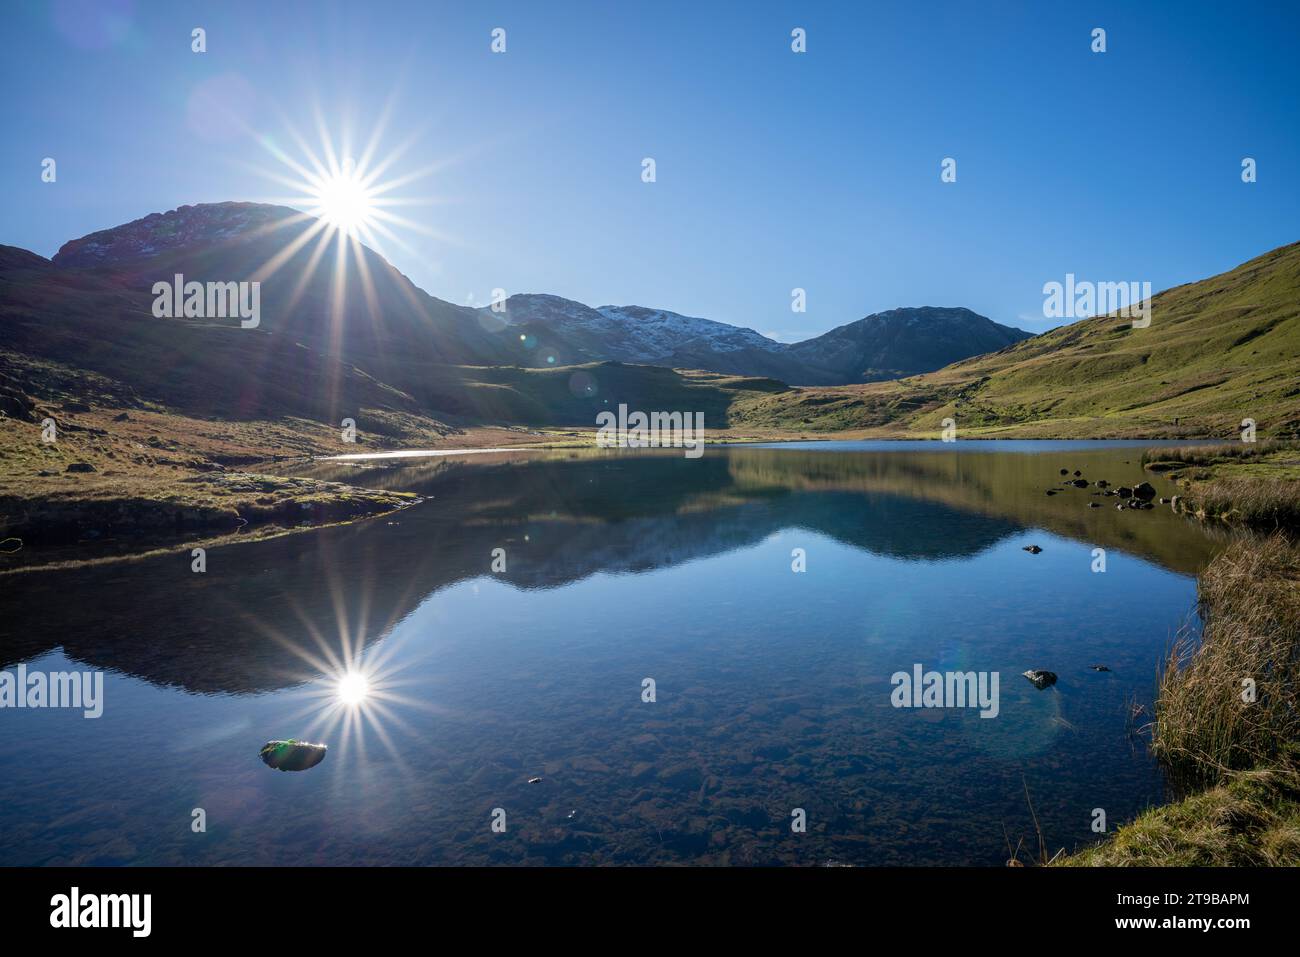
<point x="1251" y="821"/>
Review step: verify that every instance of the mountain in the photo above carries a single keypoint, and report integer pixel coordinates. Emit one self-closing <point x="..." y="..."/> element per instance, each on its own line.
<point x="886" y="345"/>
<point x="900" y="342"/>
<point x="1216" y="352"/>
<point x="576" y="332"/>
<point x="353" y="304"/>
<point x="67" y="335"/>
<point x="350" y="305"/>
<point x="83" y="334"/>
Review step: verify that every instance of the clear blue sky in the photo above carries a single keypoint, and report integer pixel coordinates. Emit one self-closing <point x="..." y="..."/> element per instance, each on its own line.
<point x="775" y="170"/>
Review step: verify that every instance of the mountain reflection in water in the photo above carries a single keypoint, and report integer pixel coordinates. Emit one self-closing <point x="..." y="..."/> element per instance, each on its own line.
<point x="773" y="686"/>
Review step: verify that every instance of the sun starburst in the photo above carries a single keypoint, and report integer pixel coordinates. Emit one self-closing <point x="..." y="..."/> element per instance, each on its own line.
<point x="344" y="200"/>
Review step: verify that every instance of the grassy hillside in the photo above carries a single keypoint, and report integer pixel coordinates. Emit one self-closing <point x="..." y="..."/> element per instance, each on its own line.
<point x="570" y="395"/>
<point x="1216" y="351"/>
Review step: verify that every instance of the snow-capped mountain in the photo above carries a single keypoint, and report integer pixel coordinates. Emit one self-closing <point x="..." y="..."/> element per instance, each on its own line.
<point x="885" y="345"/>
<point x="573" y="332"/>
<point x="667" y="333"/>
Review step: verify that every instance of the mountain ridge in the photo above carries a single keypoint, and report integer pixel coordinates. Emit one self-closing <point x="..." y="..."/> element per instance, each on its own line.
<point x="244" y="241"/>
<point x="1220" y="345"/>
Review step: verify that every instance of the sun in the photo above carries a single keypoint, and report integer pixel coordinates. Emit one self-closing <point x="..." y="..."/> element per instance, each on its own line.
<point x="343" y="199"/>
<point x="352" y="688"/>
<point x="351" y="198"/>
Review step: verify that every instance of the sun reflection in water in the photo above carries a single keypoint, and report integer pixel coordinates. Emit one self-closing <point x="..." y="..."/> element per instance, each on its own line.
<point x="352" y="688"/>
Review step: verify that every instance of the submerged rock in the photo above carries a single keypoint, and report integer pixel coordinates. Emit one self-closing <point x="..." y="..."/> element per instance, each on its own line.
<point x="292" y="755"/>
<point x="1040" y="679"/>
<point x="1100" y="668"/>
<point x="1031" y="549"/>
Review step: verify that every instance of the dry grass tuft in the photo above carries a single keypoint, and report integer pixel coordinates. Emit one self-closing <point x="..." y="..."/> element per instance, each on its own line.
<point x="1250" y="601"/>
<point x="1258" y="503"/>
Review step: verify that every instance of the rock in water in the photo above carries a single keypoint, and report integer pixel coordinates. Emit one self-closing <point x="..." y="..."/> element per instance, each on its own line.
<point x="292" y="755"/>
<point x="1031" y="549"/>
<point x="1145" y="491"/>
<point x="1124" y="492"/>
<point x="1100" y="668"/>
<point x="1040" y="679"/>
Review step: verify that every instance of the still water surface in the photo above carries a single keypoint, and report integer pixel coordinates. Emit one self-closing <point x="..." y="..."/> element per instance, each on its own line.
<point x="773" y="687"/>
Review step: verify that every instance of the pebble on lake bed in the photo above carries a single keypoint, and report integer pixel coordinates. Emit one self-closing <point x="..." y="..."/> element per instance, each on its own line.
<point x="1040" y="679"/>
<point x="292" y="755"/>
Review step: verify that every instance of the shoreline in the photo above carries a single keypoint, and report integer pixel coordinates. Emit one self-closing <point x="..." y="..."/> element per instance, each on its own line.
<point x="216" y="496"/>
<point x="1235" y="753"/>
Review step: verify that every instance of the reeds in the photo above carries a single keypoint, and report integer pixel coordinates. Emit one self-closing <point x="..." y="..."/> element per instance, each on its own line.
<point x="1227" y="724"/>
<point x="1212" y="454"/>
<point x="1256" y="502"/>
<point x="1229" y="701"/>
